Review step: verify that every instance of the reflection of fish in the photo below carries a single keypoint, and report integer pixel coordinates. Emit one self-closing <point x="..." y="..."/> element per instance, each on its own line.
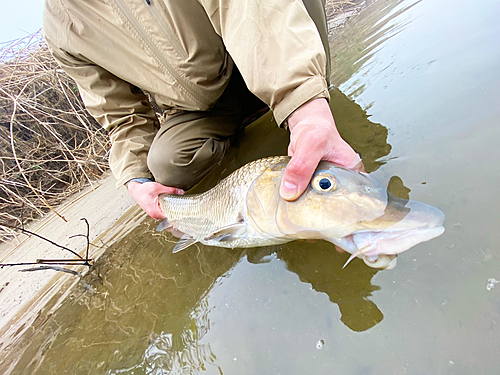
<point x="347" y="208"/>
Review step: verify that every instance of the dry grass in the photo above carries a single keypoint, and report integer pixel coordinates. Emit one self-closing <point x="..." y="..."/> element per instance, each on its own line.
<point x="336" y="7"/>
<point x="50" y="147"/>
<point x="339" y="11"/>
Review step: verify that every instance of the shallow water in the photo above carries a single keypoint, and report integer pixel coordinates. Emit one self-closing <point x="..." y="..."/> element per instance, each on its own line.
<point x="418" y="98"/>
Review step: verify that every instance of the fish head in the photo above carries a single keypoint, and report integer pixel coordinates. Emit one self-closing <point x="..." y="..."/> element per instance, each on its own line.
<point x="348" y="208"/>
<point x="404" y="224"/>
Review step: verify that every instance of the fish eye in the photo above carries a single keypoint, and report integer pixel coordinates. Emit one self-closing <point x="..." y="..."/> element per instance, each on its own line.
<point x="324" y="182"/>
<point x="366" y="189"/>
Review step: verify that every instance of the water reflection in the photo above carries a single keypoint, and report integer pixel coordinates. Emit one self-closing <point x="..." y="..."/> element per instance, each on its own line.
<point x="183" y="348"/>
<point x="355" y="45"/>
<point x="438" y="302"/>
<point x="139" y="288"/>
<point x="170" y="354"/>
<point x="149" y="311"/>
<point x="367" y="138"/>
<point x="321" y="266"/>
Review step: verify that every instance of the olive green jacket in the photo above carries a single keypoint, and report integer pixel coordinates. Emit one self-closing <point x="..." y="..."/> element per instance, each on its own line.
<point x="183" y="53"/>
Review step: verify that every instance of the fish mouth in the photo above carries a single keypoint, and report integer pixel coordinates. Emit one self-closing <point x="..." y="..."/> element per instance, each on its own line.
<point x="395" y="242"/>
<point x="372" y="243"/>
<point x="379" y="249"/>
<point x="404" y="225"/>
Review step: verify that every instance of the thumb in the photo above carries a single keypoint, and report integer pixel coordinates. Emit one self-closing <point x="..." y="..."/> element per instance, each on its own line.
<point x="161" y="189"/>
<point x="298" y="173"/>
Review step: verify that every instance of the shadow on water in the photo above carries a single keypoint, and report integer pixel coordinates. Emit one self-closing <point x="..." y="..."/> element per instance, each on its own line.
<point x="368" y="139"/>
<point x="321" y="266"/>
<point x="156" y="312"/>
<point x="317" y="263"/>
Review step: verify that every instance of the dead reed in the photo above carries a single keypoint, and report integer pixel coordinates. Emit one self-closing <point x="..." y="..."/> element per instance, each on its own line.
<point x="339" y="11"/>
<point x="50" y="147"/>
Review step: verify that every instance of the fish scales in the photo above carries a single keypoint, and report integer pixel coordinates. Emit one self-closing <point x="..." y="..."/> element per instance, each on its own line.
<point x="200" y="215"/>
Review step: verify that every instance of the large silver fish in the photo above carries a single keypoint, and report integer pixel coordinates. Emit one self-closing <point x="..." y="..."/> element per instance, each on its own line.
<point x="348" y="208"/>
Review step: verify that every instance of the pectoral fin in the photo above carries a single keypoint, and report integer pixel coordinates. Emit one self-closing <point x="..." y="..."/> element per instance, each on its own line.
<point x="229" y="233"/>
<point x="163" y="225"/>
<point x="359" y="252"/>
<point x="351" y="258"/>
<point x="184" y="243"/>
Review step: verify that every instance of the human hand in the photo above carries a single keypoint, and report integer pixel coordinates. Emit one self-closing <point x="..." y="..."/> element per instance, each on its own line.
<point x="146" y="196"/>
<point x="314" y="137"/>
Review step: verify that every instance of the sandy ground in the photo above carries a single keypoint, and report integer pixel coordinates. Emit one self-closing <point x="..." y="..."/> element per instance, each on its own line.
<point x="23" y="294"/>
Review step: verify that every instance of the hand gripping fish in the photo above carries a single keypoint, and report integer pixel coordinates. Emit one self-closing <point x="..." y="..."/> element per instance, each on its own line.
<point x="347" y="208"/>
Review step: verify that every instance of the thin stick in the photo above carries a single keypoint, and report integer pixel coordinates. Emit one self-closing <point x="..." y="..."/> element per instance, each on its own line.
<point x="61" y="269"/>
<point x="25" y="231"/>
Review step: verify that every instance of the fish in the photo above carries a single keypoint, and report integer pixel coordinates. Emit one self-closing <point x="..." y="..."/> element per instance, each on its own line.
<point x="348" y="208"/>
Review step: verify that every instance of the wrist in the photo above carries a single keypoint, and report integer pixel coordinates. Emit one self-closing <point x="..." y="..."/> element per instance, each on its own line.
<point x="140" y="180"/>
<point x="316" y="111"/>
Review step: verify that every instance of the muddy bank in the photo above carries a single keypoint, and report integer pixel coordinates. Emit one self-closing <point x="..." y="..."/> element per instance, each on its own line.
<point x="22" y="294"/>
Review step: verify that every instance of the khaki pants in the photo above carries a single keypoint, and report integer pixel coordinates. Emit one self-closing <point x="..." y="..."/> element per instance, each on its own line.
<point x="189" y="144"/>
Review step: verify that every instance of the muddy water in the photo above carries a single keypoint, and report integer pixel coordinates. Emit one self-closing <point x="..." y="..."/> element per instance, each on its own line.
<point x="418" y="97"/>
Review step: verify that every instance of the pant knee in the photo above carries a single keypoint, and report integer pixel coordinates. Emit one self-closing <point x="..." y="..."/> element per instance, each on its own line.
<point x="184" y="168"/>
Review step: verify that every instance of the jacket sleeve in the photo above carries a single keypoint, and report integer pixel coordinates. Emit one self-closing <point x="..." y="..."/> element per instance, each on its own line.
<point x="121" y="108"/>
<point x="277" y="49"/>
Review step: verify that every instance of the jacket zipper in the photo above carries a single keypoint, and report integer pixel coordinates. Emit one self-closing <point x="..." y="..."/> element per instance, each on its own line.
<point x="159" y="55"/>
<point x="167" y="30"/>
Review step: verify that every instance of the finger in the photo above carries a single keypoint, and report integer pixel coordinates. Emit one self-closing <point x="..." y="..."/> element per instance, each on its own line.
<point x="156" y="214"/>
<point x="345" y="156"/>
<point x="162" y="189"/>
<point x="355" y="163"/>
<point x="298" y="173"/>
<point x="171" y="190"/>
<point x="360" y="167"/>
<point x="155" y="210"/>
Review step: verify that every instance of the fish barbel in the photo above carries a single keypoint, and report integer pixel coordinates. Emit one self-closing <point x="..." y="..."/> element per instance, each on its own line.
<point x="347" y="208"/>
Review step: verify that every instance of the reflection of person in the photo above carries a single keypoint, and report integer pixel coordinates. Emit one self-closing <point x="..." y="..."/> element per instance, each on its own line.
<point x="211" y="66"/>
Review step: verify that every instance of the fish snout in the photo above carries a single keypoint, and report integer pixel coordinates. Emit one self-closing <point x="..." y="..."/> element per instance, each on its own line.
<point x="417" y="216"/>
